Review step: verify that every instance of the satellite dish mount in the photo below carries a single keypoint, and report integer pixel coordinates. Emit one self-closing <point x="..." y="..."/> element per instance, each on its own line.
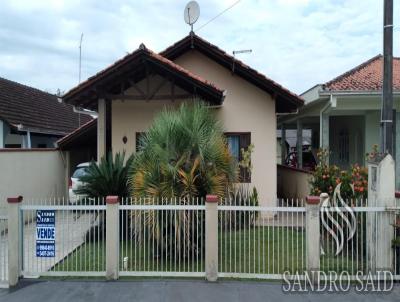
<point x="191" y="14"/>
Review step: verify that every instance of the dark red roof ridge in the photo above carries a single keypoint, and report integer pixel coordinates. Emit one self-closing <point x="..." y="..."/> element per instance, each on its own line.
<point x="179" y="67"/>
<point x="298" y="98"/>
<point x="125" y="59"/>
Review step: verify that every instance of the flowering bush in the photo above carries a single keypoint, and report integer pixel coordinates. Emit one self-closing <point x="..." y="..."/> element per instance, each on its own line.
<point x="324" y="176"/>
<point x="327" y="177"/>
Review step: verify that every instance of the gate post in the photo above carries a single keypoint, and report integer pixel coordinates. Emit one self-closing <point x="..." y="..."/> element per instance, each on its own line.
<point x="211" y="237"/>
<point x="14" y="240"/>
<point x="379" y="231"/>
<point x="112" y="237"/>
<point x="313" y="231"/>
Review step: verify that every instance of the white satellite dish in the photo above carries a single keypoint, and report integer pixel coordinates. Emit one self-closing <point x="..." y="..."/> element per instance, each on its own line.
<point x="191" y="13"/>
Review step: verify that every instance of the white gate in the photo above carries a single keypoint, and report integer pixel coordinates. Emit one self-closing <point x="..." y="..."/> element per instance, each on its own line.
<point x="79" y="247"/>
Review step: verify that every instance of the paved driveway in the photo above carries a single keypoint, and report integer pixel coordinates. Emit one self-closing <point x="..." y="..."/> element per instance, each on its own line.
<point x="60" y="291"/>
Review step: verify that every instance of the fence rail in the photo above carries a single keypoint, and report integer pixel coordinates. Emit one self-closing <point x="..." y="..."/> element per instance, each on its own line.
<point x="168" y="237"/>
<point x="162" y="237"/>
<point x="261" y="242"/>
<point x="79" y="247"/>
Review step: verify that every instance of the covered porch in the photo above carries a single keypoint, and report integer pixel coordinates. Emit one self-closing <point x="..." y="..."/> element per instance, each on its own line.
<point x="346" y="125"/>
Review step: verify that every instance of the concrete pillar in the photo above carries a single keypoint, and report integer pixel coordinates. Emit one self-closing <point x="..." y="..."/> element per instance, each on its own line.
<point x="299" y="144"/>
<point x="101" y="129"/>
<point x="67" y="169"/>
<point x="312" y="231"/>
<point x="112" y="237"/>
<point x="14" y="240"/>
<point x="283" y="144"/>
<point x="381" y="193"/>
<point x="324" y="133"/>
<point x="396" y="147"/>
<point x="211" y="237"/>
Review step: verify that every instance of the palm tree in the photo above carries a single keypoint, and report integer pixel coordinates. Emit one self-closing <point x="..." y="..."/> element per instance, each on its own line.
<point x="183" y="155"/>
<point x="108" y="177"/>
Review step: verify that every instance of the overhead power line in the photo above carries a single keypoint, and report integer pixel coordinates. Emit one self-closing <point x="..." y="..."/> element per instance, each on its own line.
<point x="221" y="13"/>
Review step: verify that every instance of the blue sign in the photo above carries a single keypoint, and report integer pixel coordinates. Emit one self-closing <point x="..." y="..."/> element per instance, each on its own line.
<point x="45" y="233"/>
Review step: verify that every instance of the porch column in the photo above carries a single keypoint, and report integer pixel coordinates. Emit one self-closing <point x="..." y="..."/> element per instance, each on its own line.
<point x="283" y="144"/>
<point x="299" y="144"/>
<point x="397" y="149"/>
<point x="101" y="129"/>
<point x="324" y="133"/>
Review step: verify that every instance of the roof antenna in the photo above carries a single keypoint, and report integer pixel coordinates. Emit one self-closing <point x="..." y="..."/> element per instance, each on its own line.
<point x="80" y="57"/>
<point x="191" y="15"/>
<point x="238" y="52"/>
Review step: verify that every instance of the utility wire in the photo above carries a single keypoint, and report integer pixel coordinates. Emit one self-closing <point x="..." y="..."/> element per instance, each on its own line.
<point x="212" y="19"/>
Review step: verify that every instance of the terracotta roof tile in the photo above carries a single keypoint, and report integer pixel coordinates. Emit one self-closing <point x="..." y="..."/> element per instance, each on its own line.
<point x="367" y="76"/>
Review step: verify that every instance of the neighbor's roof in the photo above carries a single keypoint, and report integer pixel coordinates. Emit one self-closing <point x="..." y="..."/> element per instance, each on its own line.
<point x="285" y="98"/>
<point x="137" y="61"/>
<point x="36" y="110"/>
<point x="82" y="136"/>
<point x="367" y="76"/>
<point x="86" y="93"/>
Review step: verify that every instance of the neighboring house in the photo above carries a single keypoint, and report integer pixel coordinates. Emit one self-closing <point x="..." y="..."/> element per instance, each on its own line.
<point x="31" y="118"/>
<point x="344" y="114"/>
<point x="129" y="93"/>
<point x="291" y="140"/>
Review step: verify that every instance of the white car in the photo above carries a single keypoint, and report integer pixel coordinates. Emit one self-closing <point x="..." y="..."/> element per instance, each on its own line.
<point x="75" y="183"/>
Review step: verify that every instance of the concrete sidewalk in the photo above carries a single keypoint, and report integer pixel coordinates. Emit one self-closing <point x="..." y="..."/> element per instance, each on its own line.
<point x="174" y="290"/>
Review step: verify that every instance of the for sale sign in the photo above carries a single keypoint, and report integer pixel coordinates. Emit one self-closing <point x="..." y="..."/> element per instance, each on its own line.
<point x="45" y="233"/>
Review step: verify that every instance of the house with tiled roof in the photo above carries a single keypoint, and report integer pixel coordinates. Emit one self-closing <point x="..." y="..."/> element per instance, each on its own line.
<point x="31" y="118"/>
<point x="344" y="114"/>
<point x="130" y="92"/>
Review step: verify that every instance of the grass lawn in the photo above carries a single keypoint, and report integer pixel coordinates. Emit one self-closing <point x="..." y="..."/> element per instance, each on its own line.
<point x="259" y="250"/>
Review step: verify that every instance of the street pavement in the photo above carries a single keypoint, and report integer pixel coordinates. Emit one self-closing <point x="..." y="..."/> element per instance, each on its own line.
<point x="174" y="290"/>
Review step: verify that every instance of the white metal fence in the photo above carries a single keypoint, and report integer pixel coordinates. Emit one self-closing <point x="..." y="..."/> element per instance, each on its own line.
<point x="3" y="252"/>
<point x="261" y="242"/>
<point x="162" y="237"/>
<point x="167" y="237"/>
<point x="79" y="238"/>
<point x="358" y="239"/>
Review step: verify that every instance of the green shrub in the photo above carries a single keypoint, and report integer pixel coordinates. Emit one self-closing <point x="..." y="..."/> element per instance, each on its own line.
<point x="109" y="177"/>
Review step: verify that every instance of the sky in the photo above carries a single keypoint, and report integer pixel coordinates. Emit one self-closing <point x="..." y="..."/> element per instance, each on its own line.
<point x="298" y="43"/>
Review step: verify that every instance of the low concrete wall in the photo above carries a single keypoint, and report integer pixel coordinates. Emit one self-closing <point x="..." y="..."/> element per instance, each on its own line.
<point x="32" y="173"/>
<point x="293" y="183"/>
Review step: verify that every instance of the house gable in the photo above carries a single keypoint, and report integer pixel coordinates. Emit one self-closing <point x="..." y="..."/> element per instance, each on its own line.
<point x="286" y="100"/>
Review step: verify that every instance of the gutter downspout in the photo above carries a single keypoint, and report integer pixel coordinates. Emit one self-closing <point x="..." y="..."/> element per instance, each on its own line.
<point x="81" y="111"/>
<point x="288" y="113"/>
<point x="28" y="139"/>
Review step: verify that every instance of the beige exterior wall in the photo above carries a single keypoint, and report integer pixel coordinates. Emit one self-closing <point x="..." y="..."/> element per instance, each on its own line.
<point x="246" y="109"/>
<point x="32" y="174"/>
<point x="293" y="183"/>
